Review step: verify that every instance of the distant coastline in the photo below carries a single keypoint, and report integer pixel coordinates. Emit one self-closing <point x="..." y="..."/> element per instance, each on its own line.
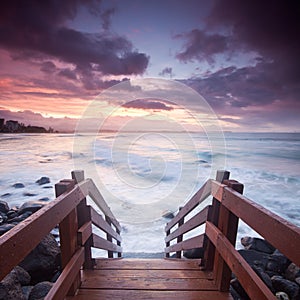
<point x="12" y="126"/>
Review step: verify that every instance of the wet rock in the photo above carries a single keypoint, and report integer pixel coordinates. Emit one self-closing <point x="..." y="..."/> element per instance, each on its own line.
<point x="18" y="185"/>
<point x="47" y="187"/>
<point x="254" y="257"/>
<point x="292" y="272"/>
<point x="31" y="206"/>
<point x="10" y="286"/>
<point x="43" y="180"/>
<point x="263" y="276"/>
<point x="11" y="214"/>
<point x="21" y="275"/>
<point x="4" y="207"/>
<point x="194" y="253"/>
<point x="3" y="217"/>
<point x="239" y="289"/>
<point x="277" y="263"/>
<point x="26" y="290"/>
<point x="40" y="290"/>
<point x="44" y="199"/>
<point x="168" y="214"/>
<point x="257" y="244"/>
<point x="20" y="218"/>
<point x="283" y="285"/>
<point x="27" y="194"/>
<point x="282" y="296"/>
<point x="43" y="261"/>
<point x="6" y="195"/>
<point x="6" y="227"/>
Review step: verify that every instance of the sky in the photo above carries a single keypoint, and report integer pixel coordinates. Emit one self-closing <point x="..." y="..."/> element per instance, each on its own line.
<point x="242" y="57"/>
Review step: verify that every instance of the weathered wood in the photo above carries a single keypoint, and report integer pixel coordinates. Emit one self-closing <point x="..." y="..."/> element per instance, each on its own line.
<point x="167" y="254"/>
<point x="228" y="225"/>
<point x="213" y="216"/>
<point x="250" y="281"/>
<point x="101" y="243"/>
<point x="94" y="193"/>
<point x="92" y="294"/>
<point x="197" y="220"/>
<point x="68" y="234"/>
<point x="194" y="242"/>
<point x="119" y="242"/>
<point x="67" y="277"/>
<point x="103" y="225"/>
<point x="284" y="235"/>
<point x="149" y="264"/>
<point x="198" y="197"/>
<point x="84" y="233"/>
<point x="179" y="237"/>
<point x="41" y="223"/>
<point x="109" y="237"/>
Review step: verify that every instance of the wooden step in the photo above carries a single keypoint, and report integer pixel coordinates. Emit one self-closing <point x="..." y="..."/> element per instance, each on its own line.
<point x="148" y="279"/>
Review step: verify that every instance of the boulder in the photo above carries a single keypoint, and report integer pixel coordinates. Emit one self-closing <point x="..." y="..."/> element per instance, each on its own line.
<point x="18" y="185"/>
<point x="31" y="206"/>
<point x="43" y="180"/>
<point x="257" y="244"/>
<point x="194" y="253"/>
<point x="11" y="285"/>
<point x="27" y="194"/>
<point x="168" y="214"/>
<point x="277" y="263"/>
<point x="254" y="257"/>
<point x="43" y="261"/>
<point x="5" y="227"/>
<point x="292" y="272"/>
<point x="282" y="296"/>
<point x="5" y="195"/>
<point x="283" y="285"/>
<point x="20" y="218"/>
<point x="4" y="206"/>
<point x="3" y="217"/>
<point x="40" y="290"/>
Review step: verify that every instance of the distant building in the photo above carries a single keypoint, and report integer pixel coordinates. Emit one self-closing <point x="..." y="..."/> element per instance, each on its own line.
<point x="12" y="126"/>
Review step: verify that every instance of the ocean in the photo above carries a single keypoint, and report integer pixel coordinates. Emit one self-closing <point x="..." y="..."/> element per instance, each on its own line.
<point x="144" y="175"/>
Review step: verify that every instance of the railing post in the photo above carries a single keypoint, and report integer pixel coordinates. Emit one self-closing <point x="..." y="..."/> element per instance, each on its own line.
<point x="180" y="237"/>
<point x="213" y="216"/>
<point x="119" y="243"/>
<point x="228" y="224"/>
<point x="109" y="237"/>
<point x="68" y="233"/>
<point x="168" y="243"/>
<point x="84" y="216"/>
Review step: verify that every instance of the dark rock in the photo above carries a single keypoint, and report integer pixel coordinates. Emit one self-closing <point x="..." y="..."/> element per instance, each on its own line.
<point x="4" y="207"/>
<point x="168" y="214"/>
<point x="27" y="194"/>
<point x="43" y="261"/>
<point x="5" y="227"/>
<point x="40" y="290"/>
<point x="263" y="276"/>
<point x="194" y="253"/>
<point x="26" y="290"/>
<point x="18" y="185"/>
<point x="235" y="295"/>
<point x="5" y="195"/>
<point x="239" y="289"/>
<point x="277" y="263"/>
<point x="44" y="199"/>
<point x="292" y="272"/>
<point x="43" y="180"/>
<point x="283" y="285"/>
<point x="20" y="218"/>
<point x="254" y="257"/>
<point x="47" y="187"/>
<point x="31" y="206"/>
<point x="3" y="217"/>
<point x="21" y="275"/>
<point x="11" y="214"/>
<point x="10" y="287"/>
<point x="252" y="243"/>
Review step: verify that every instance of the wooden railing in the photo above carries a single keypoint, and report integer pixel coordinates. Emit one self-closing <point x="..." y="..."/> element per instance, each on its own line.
<point x="75" y="219"/>
<point x="220" y="222"/>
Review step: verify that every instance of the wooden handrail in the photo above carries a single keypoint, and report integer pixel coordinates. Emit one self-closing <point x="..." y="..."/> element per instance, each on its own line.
<point x="221" y="221"/>
<point x="75" y="219"/>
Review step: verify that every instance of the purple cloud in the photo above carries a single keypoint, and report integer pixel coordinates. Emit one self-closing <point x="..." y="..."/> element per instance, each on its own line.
<point x="152" y="104"/>
<point x="167" y="71"/>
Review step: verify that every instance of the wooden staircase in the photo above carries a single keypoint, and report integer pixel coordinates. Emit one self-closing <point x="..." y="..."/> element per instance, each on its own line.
<point x="143" y="279"/>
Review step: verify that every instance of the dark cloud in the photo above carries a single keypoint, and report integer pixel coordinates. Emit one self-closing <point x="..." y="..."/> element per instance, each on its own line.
<point x="68" y="73"/>
<point x="151" y="104"/>
<point x="38" y="29"/>
<point x="167" y="71"/>
<point x="48" y="67"/>
<point x="201" y="46"/>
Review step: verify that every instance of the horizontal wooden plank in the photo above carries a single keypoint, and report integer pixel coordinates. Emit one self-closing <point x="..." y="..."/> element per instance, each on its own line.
<point x="149" y="264"/>
<point x="101" y="243"/>
<point x="197" y="220"/>
<point x="17" y="243"/>
<point x="149" y="295"/>
<point x="91" y="280"/>
<point x="67" y="277"/>
<point x="250" y="281"/>
<point x="284" y="235"/>
<point x="194" y="242"/>
<point x="95" y="194"/>
<point x="134" y="273"/>
<point x="84" y="232"/>
<point x="198" y="197"/>
<point x="102" y="224"/>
